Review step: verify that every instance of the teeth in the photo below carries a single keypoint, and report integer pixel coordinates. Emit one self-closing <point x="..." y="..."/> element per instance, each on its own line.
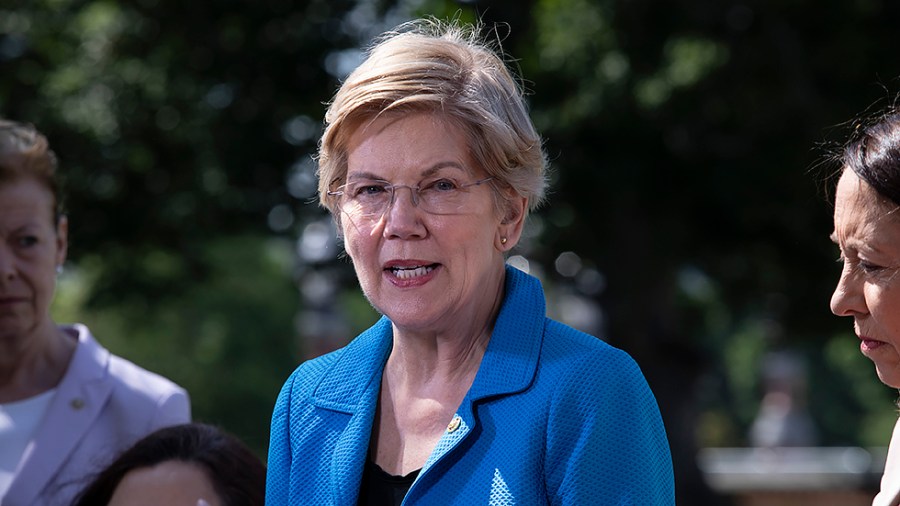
<point x="409" y="273"/>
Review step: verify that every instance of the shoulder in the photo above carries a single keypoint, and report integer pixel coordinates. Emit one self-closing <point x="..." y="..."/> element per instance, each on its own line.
<point x="342" y="375"/>
<point x="303" y="381"/>
<point x="579" y="352"/>
<point x="586" y="373"/>
<point x="562" y="347"/>
<point x="139" y="381"/>
<point x="131" y="385"/>
<point x="146" y="395"/>
<point x="602" y="413"/>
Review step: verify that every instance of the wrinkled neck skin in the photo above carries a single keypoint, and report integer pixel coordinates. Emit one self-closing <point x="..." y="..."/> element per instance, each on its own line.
<point x="448" y="358"/>
<point x="35" y="362"/>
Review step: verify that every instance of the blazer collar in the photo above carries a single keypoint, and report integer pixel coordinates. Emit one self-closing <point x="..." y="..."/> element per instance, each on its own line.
<point x="79" y="398"/>
<point x="510" y="361"/>
<point x="351" y="387"/>
<point x="356" y="374"/>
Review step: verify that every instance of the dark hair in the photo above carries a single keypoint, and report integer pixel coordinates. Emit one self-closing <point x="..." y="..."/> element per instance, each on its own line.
<point x="874" y="154"/>
<point x="25" y="153"/>
<point x="237" y="474"/>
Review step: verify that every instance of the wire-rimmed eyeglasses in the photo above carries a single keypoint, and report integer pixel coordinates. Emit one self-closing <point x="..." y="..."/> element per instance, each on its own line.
<point x="373" y="197"/>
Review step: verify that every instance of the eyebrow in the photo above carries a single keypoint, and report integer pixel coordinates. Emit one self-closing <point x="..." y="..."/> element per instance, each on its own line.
<point x="30" y="228"/>
<point x="870" y="247"/>
<point x="440" y="165"/>
<point x="430" y="171"/>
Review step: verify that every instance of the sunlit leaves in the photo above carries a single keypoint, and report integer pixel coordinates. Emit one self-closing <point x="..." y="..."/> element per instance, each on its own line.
<point x="572" y="33"/>
<point x="686" y="61"/>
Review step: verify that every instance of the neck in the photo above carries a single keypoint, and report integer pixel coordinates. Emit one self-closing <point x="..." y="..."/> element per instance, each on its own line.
<point x="33" y="363"/>
<point x="436" y="361"/>
<point x="448" y="356"/>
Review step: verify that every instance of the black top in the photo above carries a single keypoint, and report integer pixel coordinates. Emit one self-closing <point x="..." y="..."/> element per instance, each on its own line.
<point x="382" y="489"/>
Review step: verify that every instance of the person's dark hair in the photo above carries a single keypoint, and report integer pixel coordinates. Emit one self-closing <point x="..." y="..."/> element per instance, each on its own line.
<point x="237" y="474"/>
<point x="874" y="154"/>
<point x="25" y="153"/>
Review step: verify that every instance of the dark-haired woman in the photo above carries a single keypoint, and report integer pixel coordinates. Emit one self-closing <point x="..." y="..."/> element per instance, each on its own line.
<point x="867" y="230"/>
<point x="191" y="464"/>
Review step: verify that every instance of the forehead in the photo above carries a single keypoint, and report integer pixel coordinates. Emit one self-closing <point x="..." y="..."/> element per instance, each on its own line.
<point x="861" y="214"/>
<point x="408" y="144"/>
<point x="169" y="482"/>
<point x="853" y="195"/>
<point x="25" y="197"/>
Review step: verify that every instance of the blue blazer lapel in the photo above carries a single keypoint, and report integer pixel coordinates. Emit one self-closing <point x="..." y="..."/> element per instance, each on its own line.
<point x="351" y="450"/>
<point x="352" y="387"/>
<point x="510" y="361"/>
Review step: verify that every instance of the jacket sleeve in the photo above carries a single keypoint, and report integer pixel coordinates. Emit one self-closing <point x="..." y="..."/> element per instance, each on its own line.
<point x="278" y="468"/>
<point x="606" y="443"/>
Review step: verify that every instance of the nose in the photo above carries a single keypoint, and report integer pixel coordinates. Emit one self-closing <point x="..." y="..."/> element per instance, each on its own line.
<point x="413" y="195"/>
<point x="403" y="219"/>
<point x="848" y="298"/>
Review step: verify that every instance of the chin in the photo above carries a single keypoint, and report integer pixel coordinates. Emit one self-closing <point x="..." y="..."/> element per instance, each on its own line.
<point x="891" y="379"/>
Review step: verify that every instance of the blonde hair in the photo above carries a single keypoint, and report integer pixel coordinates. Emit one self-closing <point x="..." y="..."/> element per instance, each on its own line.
<point x="445" y="69"/>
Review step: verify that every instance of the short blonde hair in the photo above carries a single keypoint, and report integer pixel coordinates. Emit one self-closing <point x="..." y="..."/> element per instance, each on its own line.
<point x="449" y="70"/>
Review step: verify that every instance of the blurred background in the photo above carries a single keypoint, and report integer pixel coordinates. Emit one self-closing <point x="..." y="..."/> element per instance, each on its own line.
<point x="688" y="220"/>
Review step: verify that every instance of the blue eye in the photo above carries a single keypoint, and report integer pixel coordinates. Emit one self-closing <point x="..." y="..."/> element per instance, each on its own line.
<point x="441" y="185"/>
<point x="369" y="189"/>
<point x="27" y="241"/>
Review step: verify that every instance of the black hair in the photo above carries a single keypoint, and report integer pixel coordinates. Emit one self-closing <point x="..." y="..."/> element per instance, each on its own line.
<point x="236" y="473"/>
<point x="874" y="153"/>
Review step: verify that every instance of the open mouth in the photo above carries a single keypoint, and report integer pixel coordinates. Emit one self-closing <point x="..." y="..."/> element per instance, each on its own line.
<point x="412" y="271"/>
<point x="867" y="344"/>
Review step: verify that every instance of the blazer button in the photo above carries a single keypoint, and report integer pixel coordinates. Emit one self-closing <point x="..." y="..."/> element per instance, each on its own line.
<point x="454" y="424"/>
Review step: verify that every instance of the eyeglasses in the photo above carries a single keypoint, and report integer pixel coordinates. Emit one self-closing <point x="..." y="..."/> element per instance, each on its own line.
<point x="371" y="198"/>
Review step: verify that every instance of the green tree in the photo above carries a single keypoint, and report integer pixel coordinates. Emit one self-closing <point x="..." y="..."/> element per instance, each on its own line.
<point x="687" y="202"/>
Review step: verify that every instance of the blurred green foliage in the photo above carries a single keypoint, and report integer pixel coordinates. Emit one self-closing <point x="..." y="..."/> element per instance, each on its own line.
<point x="230" y="340"/>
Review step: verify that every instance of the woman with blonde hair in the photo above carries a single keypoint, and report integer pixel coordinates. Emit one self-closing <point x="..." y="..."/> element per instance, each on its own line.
<point x="464" y="392"/>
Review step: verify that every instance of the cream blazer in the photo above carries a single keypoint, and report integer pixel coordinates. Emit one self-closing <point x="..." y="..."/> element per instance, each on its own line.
<point x="890" y="481"/>
<point x="102" y="406"/>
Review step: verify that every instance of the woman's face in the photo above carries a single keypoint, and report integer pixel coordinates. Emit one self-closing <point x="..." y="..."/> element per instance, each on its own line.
<point x="869" y="287"/>
<point x="425" y="270"/>
<point x="31" y="247"/>
<point x="172" y="482"/>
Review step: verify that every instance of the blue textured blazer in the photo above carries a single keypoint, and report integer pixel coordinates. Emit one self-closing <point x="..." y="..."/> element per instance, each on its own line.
<point x="554" y="416"/>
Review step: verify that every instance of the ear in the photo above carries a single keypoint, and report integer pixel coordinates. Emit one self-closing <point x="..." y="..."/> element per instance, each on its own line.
<point x="62" y="239"/>
<point x="510" y="230"/>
